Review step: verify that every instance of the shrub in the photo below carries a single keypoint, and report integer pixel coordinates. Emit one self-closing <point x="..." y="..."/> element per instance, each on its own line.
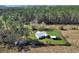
<point x="9" y="38"/>
<point x="62" y="28"/>
<point x="36" y="43"/>
<point x="74" y="28"/>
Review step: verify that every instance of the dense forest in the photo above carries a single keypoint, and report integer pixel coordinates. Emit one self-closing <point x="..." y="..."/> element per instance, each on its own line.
<point x="39" y="14"/>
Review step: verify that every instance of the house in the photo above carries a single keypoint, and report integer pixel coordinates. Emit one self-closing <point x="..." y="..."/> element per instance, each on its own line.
<point x="41" y="35"/>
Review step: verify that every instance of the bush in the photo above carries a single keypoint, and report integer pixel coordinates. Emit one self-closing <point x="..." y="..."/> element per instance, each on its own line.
<point x="74" y="28"/>
<point x="62" y="28"/>
<point x="36" y="43"/>
<point x="7" y="36"/>
<point x="10" y="38"/>
<point x="34" y="27"/>
<point x="39" y="27"/>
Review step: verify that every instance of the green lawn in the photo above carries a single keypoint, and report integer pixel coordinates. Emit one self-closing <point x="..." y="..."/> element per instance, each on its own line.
<point x="50" y="41"/>
<point x="54" y="32"/>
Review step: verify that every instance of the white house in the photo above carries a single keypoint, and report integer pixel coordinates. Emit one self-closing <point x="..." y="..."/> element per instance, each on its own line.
<point x="40" y="34"/>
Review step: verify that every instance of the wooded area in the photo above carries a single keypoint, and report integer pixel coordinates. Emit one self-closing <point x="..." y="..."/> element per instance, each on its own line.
<point x="46" y="14"/>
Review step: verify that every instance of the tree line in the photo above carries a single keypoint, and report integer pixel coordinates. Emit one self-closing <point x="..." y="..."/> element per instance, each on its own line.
<point x="46" y="14"/>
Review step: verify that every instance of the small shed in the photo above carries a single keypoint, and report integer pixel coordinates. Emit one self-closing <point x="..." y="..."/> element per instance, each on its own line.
<point x="53" y="37"/>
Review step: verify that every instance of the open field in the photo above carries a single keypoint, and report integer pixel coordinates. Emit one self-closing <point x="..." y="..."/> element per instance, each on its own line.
<point x="71" y="36"/>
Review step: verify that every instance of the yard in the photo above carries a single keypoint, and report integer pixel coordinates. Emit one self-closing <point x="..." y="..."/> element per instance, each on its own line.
<point x="57" y="33"/>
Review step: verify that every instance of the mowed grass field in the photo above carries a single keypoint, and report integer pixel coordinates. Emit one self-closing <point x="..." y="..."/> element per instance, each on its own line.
<point x="56" y="33"/>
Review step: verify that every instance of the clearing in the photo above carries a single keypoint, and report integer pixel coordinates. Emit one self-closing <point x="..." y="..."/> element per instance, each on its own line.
<point x="57" y="33"/>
